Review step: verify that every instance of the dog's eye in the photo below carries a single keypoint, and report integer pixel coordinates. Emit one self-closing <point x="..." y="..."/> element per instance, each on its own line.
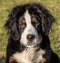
<point x="22" y="21"/>
<point x="23" y="25"/>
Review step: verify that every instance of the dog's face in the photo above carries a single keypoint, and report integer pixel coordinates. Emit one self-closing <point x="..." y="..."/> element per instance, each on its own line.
<point x="30" y="29"/>
<point x="28" y="23"/>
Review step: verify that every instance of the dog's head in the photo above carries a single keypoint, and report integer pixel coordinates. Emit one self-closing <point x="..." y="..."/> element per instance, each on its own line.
<point x="28" y="23"/>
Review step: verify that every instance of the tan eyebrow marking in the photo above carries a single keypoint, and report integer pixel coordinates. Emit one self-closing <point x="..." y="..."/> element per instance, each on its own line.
<point x="23" y="21"/>
<point x="34" y="20"/>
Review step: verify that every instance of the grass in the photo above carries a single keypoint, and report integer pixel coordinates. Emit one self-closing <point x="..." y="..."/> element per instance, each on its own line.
<point x="52" y="5"/>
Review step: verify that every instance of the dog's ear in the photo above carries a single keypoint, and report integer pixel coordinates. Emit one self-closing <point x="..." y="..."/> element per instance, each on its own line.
<point x="47" y="21"/>
<point x="47" y="18"/>
<point x="11" y="23"/>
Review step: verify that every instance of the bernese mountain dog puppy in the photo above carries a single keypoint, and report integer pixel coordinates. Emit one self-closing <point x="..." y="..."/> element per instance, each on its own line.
<point x="28" y="26"/>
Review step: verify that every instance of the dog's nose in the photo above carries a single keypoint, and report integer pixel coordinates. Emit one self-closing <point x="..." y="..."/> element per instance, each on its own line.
<point x="30" y="37"/>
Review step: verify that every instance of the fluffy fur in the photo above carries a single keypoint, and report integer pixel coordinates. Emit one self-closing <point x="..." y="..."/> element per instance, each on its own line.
<point x="36" y="50"/>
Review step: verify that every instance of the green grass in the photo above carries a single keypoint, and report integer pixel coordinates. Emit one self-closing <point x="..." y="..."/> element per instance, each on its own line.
<point x="52" y="5"/>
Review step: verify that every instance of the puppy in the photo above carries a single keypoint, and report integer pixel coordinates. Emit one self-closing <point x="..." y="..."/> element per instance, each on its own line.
<point x="28" y="26"/>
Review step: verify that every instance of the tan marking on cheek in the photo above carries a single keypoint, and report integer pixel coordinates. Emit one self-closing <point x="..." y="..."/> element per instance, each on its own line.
<point x="12" y="60"/>
<point x="43" y="60"/>
<point x="40" y="36"/>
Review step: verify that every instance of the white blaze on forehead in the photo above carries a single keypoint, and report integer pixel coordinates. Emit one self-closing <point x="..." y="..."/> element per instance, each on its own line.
<point x="27" y="17"/>
<point x="29" y="29"/>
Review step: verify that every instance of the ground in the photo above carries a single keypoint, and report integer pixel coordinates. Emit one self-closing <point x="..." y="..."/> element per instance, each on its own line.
<point x="52" y="5"/>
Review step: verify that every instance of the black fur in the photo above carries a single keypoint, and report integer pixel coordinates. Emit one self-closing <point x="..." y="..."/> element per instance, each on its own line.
<point x="13" y="26"/>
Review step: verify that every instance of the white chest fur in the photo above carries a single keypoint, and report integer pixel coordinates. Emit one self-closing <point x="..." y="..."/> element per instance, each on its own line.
<point x="29" y="56"/>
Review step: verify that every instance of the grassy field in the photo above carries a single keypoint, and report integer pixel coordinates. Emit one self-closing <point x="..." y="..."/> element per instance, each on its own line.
<point x="52" y="5"/>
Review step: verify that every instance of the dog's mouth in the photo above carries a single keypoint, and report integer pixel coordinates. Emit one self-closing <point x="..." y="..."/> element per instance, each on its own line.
<point x="31" y="46"/>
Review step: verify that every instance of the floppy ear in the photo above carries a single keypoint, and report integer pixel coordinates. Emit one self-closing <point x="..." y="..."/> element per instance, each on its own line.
<point x="47" y="21"/>
<point x="47" y="18"/>
<point x="11" y="24"/>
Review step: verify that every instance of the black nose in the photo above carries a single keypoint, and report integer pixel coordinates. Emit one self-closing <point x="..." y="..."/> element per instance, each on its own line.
<point x="30" y="37"/>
